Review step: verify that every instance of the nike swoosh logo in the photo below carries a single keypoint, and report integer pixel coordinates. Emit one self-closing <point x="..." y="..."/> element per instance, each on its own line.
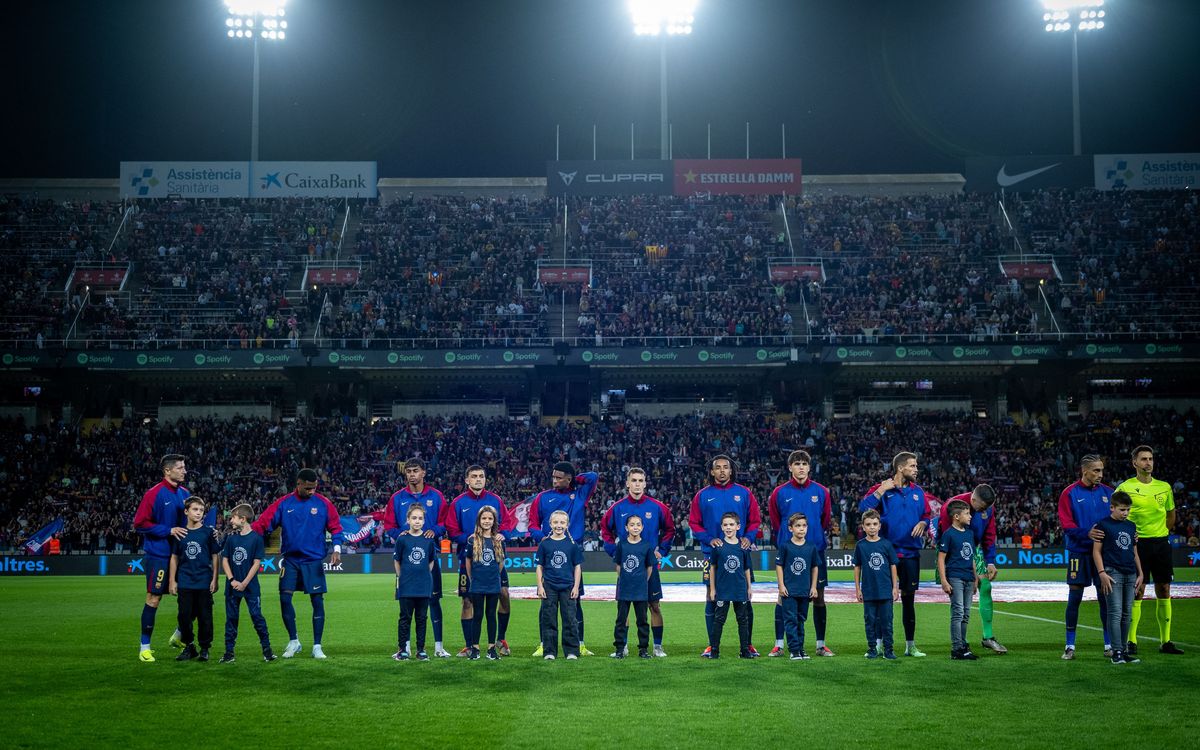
<point x="290" y="510"/>
<point x="1005" y="180"/>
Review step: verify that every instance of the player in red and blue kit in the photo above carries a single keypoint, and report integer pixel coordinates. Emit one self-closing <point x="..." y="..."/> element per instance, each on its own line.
<point x="802" y="495"/>
<point x="1080" y="507"/>
<point x="416" y="492"/>
<point x="983" y="527"/>
<point x="460" y="524"/>
<point x="570" y="493"/>
<point x="708" y="506"/>
<point x="305" y="516"/>
<point x="905" y="513"/>
<point x="160" y="518"/>
<point x="657" y="524"/>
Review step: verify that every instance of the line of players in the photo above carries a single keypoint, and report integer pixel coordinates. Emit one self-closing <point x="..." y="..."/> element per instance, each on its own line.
<point x="904" y="509"/>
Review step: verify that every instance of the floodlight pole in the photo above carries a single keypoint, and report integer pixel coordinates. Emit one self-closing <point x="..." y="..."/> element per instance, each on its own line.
<point x="254" y="106"/>
<point x="1075" y="91"/>
<point x="662" y="84"/>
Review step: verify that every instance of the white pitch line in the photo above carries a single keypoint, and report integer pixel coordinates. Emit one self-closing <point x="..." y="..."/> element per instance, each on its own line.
<point x="1087" y="627"/>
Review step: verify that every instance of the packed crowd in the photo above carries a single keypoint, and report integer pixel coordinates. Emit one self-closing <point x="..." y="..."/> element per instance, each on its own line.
<point x="465" y="270"/>
<point x="95" y="480"/>
<point x="1128" y="260"/>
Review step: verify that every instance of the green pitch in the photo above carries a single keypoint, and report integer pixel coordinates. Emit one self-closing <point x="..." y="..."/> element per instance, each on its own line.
<point x="72" y="679"/>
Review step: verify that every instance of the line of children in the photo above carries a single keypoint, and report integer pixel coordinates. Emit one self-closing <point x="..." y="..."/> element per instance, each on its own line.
<point x="559" y="573"/>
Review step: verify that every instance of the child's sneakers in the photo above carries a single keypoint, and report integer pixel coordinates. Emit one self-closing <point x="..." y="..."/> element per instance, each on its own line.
<point x="749" y="653"/>
<point x="400" y="655"/>
<point x="583" y="651"/>
<point x="753" y="652"/>
<point x="710" y="653"/>
<point x="502" y="648"/>
<point x="706" y="653"/>
<point x="572" y="657"/>
<point x="794" y="657"/>
<point x="776" y="652"/>
<point x="176" y="640"/>
<point x="293" y="648"/>
<point x="658" y="651"/>
<point x="644" y="653"/>
<point x="619" y="653"/>
<point x="871" y="654"/>
<point x="422" y="656"/>
<point x="269" y="655"/>
<point x="465" y="653"/>
<point x="441" y="653"/>
<point x="472" y="653"/>
<point x="226" y="658"/>
<point x="913" y="651"/>
<point x="189" y="652"/>
<point x="1118" y="657"/>
<point x="203" y="655"/>
<point x="824" y="651"/>
<point x="964" y="655"/>
<point x="549" y="657"/>
<point x="538" y="651"/>
<point x="492" y="655"/>
<point x="889" y="654"/>
<point x="624" y="652"/>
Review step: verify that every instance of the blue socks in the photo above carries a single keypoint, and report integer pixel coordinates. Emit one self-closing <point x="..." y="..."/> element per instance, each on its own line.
<point x="148" y="614"/>
<point x="435" y="618"/>
<point x="289" y="614"/>
<point x="502" y="621"/>
<point x="579" y="616"/>
<point x="318" y="605"/>
<point x="1074" y="599"/>
<point x="657" y="630"/>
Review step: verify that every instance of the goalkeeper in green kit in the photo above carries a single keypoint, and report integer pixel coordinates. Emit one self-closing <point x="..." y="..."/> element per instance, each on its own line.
<point x="983" y="527"/>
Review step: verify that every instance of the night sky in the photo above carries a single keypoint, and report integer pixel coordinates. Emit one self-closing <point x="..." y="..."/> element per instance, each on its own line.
<point x="464" y="88"/>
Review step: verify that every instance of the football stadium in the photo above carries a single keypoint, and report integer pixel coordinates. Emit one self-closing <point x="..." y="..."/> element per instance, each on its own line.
<point x="593" y="373"/>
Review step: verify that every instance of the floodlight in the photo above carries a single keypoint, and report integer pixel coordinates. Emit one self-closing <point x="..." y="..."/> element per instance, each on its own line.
<point x="255" y="7"/>
<point x="655" y="17"/>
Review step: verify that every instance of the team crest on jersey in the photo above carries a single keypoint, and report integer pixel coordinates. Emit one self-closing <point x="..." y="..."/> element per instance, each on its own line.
<point x="798" y="566"/>
<point x="558" y="559"/>
<point x="647" y="515"/>
<point x="630" y="564"/>
<point x="313" y="511"/>
<point x="732" y="564"/>
<point x="965" y="552"/>
<point x="488" y="556"/>
<point x="737" y="498"/>
<point x="429" y="502"/>
<point x="416" y="555"/>
<point x="239" y="555"/>
<point x="875" y="561"/>
<point x="192" y="550"/>
<point x="1124" y="541"/>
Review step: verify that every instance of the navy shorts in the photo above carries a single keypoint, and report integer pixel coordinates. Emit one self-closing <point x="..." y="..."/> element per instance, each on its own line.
<point x="437" y="578"/>
<point x="1155" y="554"/>
<point x="822" y="571"/>
<point x="1081" y="569"/>
<point x="464" y="581"/>
<point x="655" y="585"/>
<point x="156" y="575"/>
<point x="304" y="577"/>
<point x="908" y="571"/>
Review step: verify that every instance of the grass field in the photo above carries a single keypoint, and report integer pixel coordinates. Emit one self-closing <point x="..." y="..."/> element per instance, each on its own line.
<point x="71" y="679"/>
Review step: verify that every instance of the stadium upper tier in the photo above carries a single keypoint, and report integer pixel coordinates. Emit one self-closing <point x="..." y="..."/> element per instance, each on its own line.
<point x="95" y="479"/>
<point x="645" y="270"/>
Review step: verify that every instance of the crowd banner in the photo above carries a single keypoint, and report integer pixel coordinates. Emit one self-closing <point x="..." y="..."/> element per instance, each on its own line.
<point x="737" y="176"/>
<point x="522" y="560"/>
<point x="990" y="174"/>
<point x="241" y="179"/>
<point x="609" y="177"/>
<point x="187" y="179"/>
<point x="1147" y="171"/>
<point x="314" y="179"/>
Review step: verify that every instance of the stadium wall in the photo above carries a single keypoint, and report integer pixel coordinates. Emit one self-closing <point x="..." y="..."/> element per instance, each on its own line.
<point x="518" y="561"/>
